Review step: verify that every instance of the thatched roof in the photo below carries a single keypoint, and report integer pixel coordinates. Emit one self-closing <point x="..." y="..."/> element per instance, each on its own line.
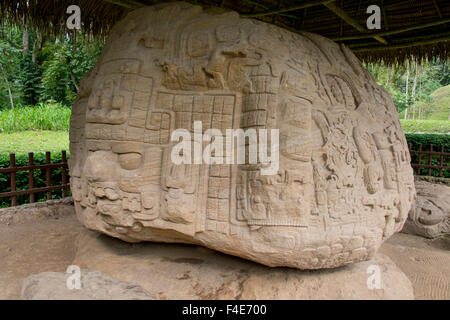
<point x="418" y="28"/>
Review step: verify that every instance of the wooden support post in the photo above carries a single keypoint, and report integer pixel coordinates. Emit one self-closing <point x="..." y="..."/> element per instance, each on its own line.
<point x="430" y="159"/>
<point x="48" y="176"/>
<point x="12" y="164"/>
<point x="31" y="176"/>
<point x="441" y="161"/>
<point x="420" y="159"/>
<point x="64" y="173"/>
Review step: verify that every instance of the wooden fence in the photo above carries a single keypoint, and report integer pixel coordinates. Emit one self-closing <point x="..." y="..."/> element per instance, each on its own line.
<point x="424" y="163"/>
<point x="31" y="167"/>
<point x="425" y="160"/>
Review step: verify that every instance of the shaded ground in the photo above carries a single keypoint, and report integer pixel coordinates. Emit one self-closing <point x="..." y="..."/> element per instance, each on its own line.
<point x="48" y="245"/>
<point x="425" y="262"/>
<point x="31" y="248"/>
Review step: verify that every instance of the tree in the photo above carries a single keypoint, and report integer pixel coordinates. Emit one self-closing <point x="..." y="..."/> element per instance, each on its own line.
<point x="36" y="68"/>
<point x="66" y="63"/>
<point x="10" y="53"/>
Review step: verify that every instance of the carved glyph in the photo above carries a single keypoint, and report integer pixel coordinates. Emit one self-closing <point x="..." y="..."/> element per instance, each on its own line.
<point x="430" y="215"/>
<point x="344" y="182"/>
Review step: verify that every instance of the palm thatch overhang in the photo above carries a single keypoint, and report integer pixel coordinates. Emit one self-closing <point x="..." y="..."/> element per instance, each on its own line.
<point x="410" y="28"/>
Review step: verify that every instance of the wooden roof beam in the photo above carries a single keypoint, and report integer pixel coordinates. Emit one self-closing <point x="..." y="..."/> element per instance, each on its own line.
<point x="362" y="45"/>
<point x="305" y="5"/>
<point x="129" y="4"/>
<point x="392" y="32"/>
<point x="440" y="38"/>
<point x="351" y="21"/>
<point x="264" y="7"/>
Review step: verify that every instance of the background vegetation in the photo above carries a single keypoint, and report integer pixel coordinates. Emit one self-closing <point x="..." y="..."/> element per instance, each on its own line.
<point x="43" y="116"/>
<point x="35" y="68"/>
<point x="420" y="89"/>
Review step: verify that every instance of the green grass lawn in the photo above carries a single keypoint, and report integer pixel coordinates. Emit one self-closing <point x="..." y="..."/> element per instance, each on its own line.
<point x="34" y="141"/>
<point x="425" y="126"/>
<point x="441" y="103"/>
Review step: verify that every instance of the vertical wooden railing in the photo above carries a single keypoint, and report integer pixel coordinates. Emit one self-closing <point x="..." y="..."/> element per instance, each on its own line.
<point x="64" y="172"/>
<point x="31" y="175"/>
<point x="441" y="157"/>
<point x="12" y="165"/>
<point x="31" y="168"/>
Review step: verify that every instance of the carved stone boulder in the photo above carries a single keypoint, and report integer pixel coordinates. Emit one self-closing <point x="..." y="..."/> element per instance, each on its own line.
<point x="344" y="181"/>
<point x="430" y="214"/>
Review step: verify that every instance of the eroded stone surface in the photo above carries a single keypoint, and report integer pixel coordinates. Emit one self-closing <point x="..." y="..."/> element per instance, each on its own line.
<point x="174" y="271"/>
<point x="344" y="182"/>
<point x="430" y="214"/>
<point x="94" y="286"/>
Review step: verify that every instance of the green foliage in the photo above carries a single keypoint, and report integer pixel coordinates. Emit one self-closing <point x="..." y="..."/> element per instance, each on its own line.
<point x="414" y="140"/>
<point x="66" y="64"/>
<point x="50" y="71"/>
<point x="431" y="75"/>
<point x="425" y="126"/>
<point x="50" y="116"/>
<point x="30" y="78"/>
<point x="34" y="141"/>
<point x="10" y="57"/>
<point x="440" y="104"/>
<point x="22" y="177"/>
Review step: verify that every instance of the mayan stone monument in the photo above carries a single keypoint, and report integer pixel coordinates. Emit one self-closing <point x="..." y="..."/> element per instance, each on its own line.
<point x="430" y="214"/>
<point x="344" y="182"/>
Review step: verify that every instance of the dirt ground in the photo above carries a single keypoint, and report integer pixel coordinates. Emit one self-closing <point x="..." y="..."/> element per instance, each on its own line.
<point x="35" y="247"/>
<point x="425" y="262"/>
<point x="48" y="245"/>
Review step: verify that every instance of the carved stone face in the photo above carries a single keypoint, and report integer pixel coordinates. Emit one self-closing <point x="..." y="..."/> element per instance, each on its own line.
<point x="430" y="214"/>
<point x="343" y="185"/>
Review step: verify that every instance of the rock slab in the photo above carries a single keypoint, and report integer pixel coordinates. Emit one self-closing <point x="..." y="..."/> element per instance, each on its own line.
<point x="430" y="214"/>
<point x="94" y="286"/>
<point x="177" y="271"/>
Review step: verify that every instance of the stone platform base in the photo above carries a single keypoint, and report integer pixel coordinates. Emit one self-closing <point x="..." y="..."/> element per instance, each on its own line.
<point x="172" y="271"/>
<point x="94" y="285"/>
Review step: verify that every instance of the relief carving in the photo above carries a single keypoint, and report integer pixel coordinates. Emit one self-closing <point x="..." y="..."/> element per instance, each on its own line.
<point x="344" y="182"/>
